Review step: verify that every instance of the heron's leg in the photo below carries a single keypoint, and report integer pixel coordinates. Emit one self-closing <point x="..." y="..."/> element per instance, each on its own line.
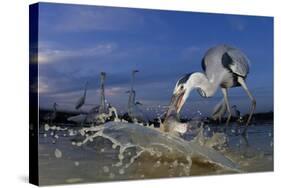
<point x="225" y="96"/>
<point x="253" y="100"/>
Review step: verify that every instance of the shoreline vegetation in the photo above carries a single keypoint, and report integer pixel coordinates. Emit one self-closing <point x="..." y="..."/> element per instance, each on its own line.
<point x="256" y="119"/>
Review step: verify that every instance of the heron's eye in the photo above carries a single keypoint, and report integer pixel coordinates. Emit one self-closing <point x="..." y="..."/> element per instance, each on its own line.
<point x="181" y="88"/>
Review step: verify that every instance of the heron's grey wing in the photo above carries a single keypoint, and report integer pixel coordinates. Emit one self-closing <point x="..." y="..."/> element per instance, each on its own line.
<point x="94" y="109"/>
<point x="203" y="64"/>
<point x="212" y="57"/>
<point x="236" y="61"/>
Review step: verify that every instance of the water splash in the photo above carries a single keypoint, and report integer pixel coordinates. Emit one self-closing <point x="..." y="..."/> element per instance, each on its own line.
<point x="134" y="151"/>
<point x="158" y="147"/>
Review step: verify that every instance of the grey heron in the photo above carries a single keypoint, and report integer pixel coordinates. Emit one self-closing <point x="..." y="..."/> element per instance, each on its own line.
<point x="81" y="100"/>
<point x="133" y="110"/>
<point x="52" y="116"/>
<point x="97" y="111"/>
<point x="132" y="88"/>
<point x="225" y="67"/>
<point x="172" y="123"/>
<point x="102" y="107"/>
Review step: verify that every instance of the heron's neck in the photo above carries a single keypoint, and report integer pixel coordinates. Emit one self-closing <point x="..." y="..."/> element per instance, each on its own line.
<point x="133" y="80"/>
<point x="85" y="91"/>
<point x="102" y="99"/>
<point x="133" y="97"/>
<point x="199" y="80"/>
<point x="131" y="101"/>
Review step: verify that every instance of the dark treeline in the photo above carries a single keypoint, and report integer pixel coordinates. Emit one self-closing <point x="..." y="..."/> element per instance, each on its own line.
<point x="61" y="117"/>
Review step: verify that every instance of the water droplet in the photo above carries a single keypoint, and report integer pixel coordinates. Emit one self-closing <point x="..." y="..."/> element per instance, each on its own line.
<point x="105" y="169"/>
<point x="78" y="144"/>
<point x="76" y="163"/>
<point x="121" y="171"/>
<point x="175" y="163"/>
<point x="47" y="127"/>
<point x="121" y="157"/>
<point x="269" y="134"/>
<point x="157" y="164"/>
<point x="58" y="153"/>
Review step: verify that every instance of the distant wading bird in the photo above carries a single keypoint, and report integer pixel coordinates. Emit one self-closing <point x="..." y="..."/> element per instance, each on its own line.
<point x="52" y="116"/>
<point x="102" y="108"/>
<point x="225" y="67"/>
<point x="81" y="100"/>
<point x="98" y="114"/>
<point x="134" y="112"/>
<point x="93" y="114"/>
<point x="131" y="101"/>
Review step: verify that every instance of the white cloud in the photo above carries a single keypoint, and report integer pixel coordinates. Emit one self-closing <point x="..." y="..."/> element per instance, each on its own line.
<point x="113" y="91"/>
<point x="43" y="86"/>
<point x="48" y="54"/>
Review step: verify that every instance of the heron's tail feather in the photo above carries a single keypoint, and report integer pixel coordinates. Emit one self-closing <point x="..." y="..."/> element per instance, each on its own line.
<point x="219" y="110"/>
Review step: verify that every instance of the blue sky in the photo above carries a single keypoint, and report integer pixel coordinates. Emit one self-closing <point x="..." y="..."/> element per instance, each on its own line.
<point x="77" y="42"/>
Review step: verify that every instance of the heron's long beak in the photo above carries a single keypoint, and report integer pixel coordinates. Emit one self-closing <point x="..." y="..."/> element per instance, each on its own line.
<point x="175" y="105"/>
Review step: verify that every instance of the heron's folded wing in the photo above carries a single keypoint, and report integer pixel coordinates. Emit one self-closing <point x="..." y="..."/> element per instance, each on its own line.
<point x="240" y="62"/>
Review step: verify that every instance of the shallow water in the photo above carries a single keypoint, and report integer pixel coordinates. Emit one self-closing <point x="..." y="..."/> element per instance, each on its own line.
<point x="125" y="151"/>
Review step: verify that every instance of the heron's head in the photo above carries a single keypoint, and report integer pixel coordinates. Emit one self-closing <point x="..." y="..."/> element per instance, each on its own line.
<point x="131" y="91"/>
<point x="55" y="105"/>
<point x="135" y="71"/>
<point x="102" y="75"/>
<point x="180" y="93"/>
<point x="138" y="103"/>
